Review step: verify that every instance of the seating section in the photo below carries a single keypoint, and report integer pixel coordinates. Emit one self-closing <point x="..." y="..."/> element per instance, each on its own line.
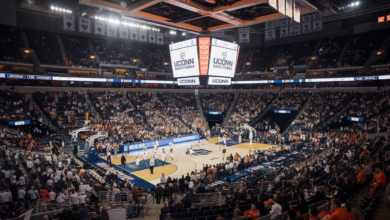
<point x="216" y="101"/>
<point x="289" y="101"/>
<point x="159" y="124"/>
<point x="248" y="106"/>
<point x="78" y="51"/>
<point x="66" y="110"/>
<point x="297" y="53"/>
<point x="151" y="57"/>
<point x="321" y="108"/>
<point x="46" y="47"/>
<point x="183" y="106"/>
<point x="243" y="56"/>
<point x="361" y="46"/>
<point x="114" y="51"/>
<point x="329" y="52"/>
<point x="264" y="57"/>
<point x="15" y="106"/>
<point x="10" y="43"/>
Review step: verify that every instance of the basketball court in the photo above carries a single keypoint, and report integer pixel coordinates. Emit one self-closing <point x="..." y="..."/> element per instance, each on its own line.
<point x="204" y="152"/>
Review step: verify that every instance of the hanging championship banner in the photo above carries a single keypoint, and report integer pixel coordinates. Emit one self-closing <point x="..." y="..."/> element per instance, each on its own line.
<point x="152" y="37"/>
<point x="270" y="30"/>
<point x="112" y="30"/>
<point x="123" y="32"/>
<point x="68" y="22"/>
<point x="284" y="30"/>
<point x="243" y="35"/>
<point x="134" y="33"/>
<point x="272" y="3"/>
<point x="297" y="13"/>
<point x="160" y="38"/>
<point x="143" y="35"/>
<point x="99" y="27"/>
<point x="289" y="9"/>
<point x="282" y="6"/>
<point x="84" y="25"/>
<point x="218" y="34"/>
<point x="295" y="27"/>
<point x="306" y="24"/>
<point x="317" y="22"/>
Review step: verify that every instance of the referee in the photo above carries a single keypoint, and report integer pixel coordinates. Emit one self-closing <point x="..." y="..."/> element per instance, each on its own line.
<point x="109" y="157"/>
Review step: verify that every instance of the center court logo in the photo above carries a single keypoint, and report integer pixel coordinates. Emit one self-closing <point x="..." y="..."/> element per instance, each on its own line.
<point x="223" y="63"/>
<point x="184" y="63"/>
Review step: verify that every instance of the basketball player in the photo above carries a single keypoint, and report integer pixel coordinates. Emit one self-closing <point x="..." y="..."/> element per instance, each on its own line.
<point x="224" y="139"/>
<point x="109" y="158"/>
<point x="144" y="154"/>
<point x="239" y="137"/>
<point x="250" y="137"/>
<point x="154" y="149"/>
<point x="137" y="162"/>
<point x="171" y="154"/>
<point x="191" y="151"/>
<point x="151" y="162"/>
<point x="163" y="156"/>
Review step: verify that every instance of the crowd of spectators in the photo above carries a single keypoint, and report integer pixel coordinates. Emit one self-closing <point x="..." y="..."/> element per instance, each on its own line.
<point x="114" y="51"/>
<point x="329" y="52"/>
<point x="183" y="106"/>
<point x="66" y="109"/>
<point x="361" y="46"/>
<point x="321" y="107"/>
<point x="151" y="58"/>
<point x="263" y="58"/>
<point x="296" y="54"/>
<point x="216" y="101"/>
<point x="10" y="44"/>
<point x="78" y="51"/>
<point x="46" y="46"/>
<point x="15" y="106"/>
<point x="289" y="101"/>
<point x="249" y="105"/>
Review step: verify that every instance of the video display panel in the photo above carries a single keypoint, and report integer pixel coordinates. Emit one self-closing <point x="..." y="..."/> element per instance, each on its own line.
<point x="184" y="58"/>
<point x="223" y="58"/>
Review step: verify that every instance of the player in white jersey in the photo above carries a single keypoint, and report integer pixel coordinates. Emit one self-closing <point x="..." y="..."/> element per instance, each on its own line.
<point x="171" y="154"/>
<point x="224" y="139"/>
<point x="163" y="156"/>
<point x="137" y="162"/>
<point x="144" y="154"/>
<point x="154" y="149"/>
<point x="250" y="136"/>
<point x="191" y="151"/>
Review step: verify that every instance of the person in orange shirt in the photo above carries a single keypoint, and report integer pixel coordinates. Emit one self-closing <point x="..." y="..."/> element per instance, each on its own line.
<point x="361" y="178"/>
<point x="380" y="181"/>
<point x="45" y="196"/>
<point x="253" y="213"/>
<point x="350" y="212"/>
<point x="339" y="213"/>
<point x="364" y="154"/>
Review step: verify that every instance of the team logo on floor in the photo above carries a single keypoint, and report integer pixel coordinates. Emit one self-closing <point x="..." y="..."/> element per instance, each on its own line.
<point x="197" y="152"/>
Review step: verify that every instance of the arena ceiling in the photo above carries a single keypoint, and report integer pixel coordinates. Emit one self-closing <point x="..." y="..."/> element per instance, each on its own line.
<point x="196" y="15"/>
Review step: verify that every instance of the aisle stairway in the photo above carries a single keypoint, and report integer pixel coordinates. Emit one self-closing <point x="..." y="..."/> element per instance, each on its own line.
<point x="200" y="108"/>
<point x="94" y="112"/>
<point x="46" y="121"/>
<point x="62" y="48"/>
<point x="299" y="113"/>
<point x="230" y="109"/>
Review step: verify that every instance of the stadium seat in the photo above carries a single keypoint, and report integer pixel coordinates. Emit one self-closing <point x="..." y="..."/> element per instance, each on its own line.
<point x="186" y="215"/>
<point x="198" y="214"/>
